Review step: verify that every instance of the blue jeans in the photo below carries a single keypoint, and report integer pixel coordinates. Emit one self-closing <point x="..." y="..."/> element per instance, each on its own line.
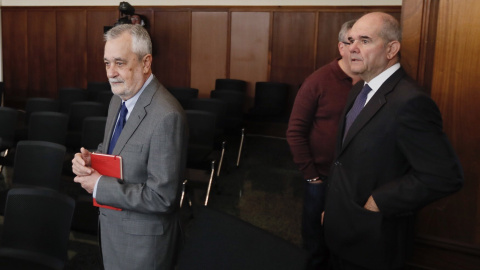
<point x="312" y="229"/>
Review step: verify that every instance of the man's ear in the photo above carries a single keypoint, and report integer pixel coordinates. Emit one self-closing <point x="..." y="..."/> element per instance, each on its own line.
<point x="393" y="48"/>
<point x="340" y="48"/>
<point x="147" y="63"/>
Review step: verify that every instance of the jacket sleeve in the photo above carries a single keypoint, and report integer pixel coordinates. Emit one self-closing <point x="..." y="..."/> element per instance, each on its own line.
<point x="435" y="171"/>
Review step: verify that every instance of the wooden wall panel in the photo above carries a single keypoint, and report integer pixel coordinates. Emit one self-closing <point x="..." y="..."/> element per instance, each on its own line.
<point x="209" y="50"/>
<point x="96" y="21"/>
<point x="15" y="59"/>
<point x="293" y="46"/>
<point x="171" y="43"/>
<point x="456" y="91"/>
<point x="249" y="49"/>
<point x="42" y="49"/>
<point x="329" y="24"/>
<point x="251" y="43"/>
<point x="412" y="36"/>
<point x="443" y="36"/>
<point x="71" y="48"/>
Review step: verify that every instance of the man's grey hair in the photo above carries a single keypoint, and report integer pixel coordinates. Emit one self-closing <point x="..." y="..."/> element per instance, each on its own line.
<point x="141" y="42"/>
<point x="391" y="30"/>
<point x="342" y="35"/>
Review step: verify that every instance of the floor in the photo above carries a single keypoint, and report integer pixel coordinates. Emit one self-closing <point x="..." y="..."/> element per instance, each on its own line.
<point x="264" y="190"/>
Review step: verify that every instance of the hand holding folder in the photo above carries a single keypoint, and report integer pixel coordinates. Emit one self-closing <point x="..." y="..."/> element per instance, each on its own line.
<point x="108" y="165"/>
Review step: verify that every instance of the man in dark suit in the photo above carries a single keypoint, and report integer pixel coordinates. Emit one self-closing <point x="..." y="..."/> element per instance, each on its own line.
<point x="152" y="140"/>
<point x="390" y="161"/>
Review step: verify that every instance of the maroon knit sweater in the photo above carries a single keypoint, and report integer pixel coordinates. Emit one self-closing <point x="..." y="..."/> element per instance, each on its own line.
<point x="313" y="124"/>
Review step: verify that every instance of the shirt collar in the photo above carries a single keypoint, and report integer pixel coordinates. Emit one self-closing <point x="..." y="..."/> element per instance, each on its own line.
<point x="377" y="82"/>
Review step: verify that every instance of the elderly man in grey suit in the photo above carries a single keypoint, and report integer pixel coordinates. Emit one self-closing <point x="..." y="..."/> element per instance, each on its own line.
<point x="147" y="128"/>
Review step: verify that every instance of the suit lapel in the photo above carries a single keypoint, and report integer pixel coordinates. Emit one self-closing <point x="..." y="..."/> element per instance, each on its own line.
<point x="372" y="107"/>
<point x="136" y="116"/>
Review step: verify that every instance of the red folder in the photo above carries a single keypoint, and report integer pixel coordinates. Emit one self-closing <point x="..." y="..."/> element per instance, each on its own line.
<point x="108" y="165"/>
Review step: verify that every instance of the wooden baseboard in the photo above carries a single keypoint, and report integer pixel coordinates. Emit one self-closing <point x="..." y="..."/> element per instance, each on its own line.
<point x="442" y="254"/>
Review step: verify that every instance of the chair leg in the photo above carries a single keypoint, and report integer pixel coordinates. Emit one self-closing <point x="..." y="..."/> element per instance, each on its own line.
<point x="183" y="192"/>
<point x="221" y="158"/>
<point x="240" y="147"/>
<point x="3" y="157"/>
<point x="212" y="173"/>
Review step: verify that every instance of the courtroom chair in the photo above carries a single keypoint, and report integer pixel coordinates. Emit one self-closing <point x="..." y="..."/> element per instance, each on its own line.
<point x="35" y="104"/>
<point x="8" y="121"/>
<point x="36" y="163"/>
<point x="219" y="241"/>
<point x="235" y="101"/>
<point x="69" y="95"/>
<point x="234" y="124"/>
<point x="94" y="88"/>
<point x="78" y="112"/>
<point x="184" y="95"/>
<point x="197" y="186"/>
<point x="230" y="84"/>
<point x="219" y="108"/>
<point x="202" y="146"/>
<point x="215" y="106"/>
<point x="93" y="131"/>
<point x="40" y="104"/>
<point x="36" y="229"/>
<point x="48" y="126"/>
<point x="201" y="139"/>
<point x="270" y="102"/>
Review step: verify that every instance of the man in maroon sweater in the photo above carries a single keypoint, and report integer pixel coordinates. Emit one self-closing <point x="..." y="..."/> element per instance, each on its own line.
<point x="311" y="134"/>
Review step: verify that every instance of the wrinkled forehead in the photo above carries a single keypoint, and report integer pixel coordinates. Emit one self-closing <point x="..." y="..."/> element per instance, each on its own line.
<point x="120" y="46"/>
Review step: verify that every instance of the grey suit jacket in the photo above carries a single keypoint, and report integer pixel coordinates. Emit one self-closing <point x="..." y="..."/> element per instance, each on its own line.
<point x="397" y="152"/>
<point x="153" y="148"/>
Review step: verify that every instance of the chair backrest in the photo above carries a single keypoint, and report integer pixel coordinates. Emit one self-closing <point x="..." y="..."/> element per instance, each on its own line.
<point x="39" y="104"/>
<point x="230" y="84"/>
<point x="8" y="121"/>
<point x="93" y="131"/>
<point x="105" y="97"/>
<point x="48" y="126"/>
<point x="235" y="101"/>
<point x="67" y="96"/>
<point x="93" y="88"/>
<point x="221" y="241"/>
<point x="270" y="98"/>
<point x="184" y="95"/>
<point x="81" y="110"/>
<point x="38" y="163"/>
<point x="37" y="221"/>
<point x="201" y="127"/>
<point x="217" y="107"/>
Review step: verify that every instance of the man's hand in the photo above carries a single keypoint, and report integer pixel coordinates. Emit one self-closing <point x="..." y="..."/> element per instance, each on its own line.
<point x="371" y="205"/>
<point x="88" y="182"/>
<point x="81" y="163"/>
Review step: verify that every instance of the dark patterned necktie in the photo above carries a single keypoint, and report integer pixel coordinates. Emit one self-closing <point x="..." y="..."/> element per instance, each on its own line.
<point x="118" y="127"/>
<point x="356" y="108"/>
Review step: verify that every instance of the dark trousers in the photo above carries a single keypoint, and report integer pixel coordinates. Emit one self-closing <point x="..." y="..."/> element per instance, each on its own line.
<point x="312" y="229"/>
